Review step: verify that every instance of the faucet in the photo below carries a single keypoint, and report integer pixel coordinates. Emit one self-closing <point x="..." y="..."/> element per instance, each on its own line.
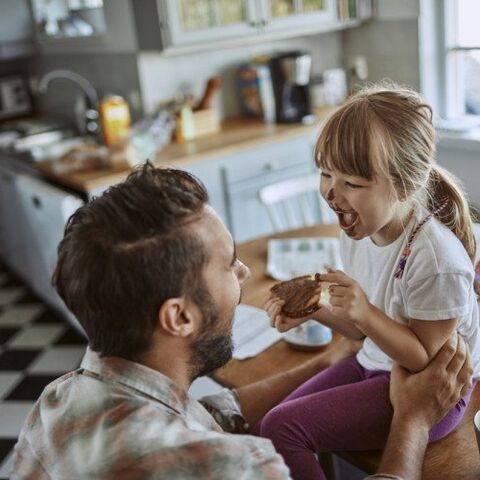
<point x="90" y="121"/>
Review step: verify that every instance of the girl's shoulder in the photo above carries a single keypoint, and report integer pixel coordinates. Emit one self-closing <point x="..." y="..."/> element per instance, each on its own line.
<point x="437" y="249"/>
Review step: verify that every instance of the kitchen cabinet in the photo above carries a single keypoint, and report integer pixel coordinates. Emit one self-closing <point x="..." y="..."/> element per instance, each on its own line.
<point x="246" y="173"/>
<point x="16" y="29"/>
<point x="32" y="220"/>
<point x="197" y="24"/>
<point x="82" y="26"/>
<point x="44" y="210"/>
<point x="281" y="15"/>
<point x="195" y="21"/>
<point x="210" y="173"/>
<point x="13" y="230"/>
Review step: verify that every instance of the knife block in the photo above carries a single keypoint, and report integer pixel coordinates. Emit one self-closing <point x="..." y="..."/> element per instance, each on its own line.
<point x="196" y="124"/>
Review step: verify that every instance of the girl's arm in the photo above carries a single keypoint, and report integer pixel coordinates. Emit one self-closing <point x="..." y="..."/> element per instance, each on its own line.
<point x="337" y="323"/>
<point x="411" y="346"/>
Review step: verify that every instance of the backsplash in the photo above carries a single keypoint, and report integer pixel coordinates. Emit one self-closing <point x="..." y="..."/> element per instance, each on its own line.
<point x="390" y="47"/>
<point x="161" y="76"/>
<point x="107" y="72"/>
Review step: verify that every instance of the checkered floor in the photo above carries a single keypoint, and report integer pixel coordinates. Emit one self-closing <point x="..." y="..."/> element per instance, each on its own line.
<point x="36" y="346"/>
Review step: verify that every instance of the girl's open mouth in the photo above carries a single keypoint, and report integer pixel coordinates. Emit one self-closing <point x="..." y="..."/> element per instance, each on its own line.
<point x="347" y="218"/>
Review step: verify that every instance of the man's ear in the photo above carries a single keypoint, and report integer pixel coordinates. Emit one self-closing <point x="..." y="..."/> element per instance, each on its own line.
<point x="177" y="317"/>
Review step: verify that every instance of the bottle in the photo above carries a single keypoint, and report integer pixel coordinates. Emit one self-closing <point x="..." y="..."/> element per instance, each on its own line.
<point x="114" y="119"/>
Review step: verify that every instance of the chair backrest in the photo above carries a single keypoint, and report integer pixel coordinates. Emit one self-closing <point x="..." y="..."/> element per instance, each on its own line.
<point x="296" y="203"/>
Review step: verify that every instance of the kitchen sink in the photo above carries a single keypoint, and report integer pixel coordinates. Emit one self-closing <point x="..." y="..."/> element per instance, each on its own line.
<point x="55" y="149"/>
<point x="40" y="139"/>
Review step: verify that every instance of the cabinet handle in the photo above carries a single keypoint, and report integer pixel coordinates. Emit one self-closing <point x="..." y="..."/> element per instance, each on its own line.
<point x="36" y="202"/>
<point x="268" y="167"/>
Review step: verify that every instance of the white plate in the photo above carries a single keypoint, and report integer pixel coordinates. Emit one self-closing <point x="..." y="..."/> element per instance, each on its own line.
<point x="291" y="257"/>
<point x="299" y="338"/>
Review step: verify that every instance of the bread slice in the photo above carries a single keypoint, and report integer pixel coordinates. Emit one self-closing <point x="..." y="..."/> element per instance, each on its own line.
<point x="301" y="294"/>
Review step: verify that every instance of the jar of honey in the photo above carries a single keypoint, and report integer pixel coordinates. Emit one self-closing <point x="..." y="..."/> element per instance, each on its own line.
<point x="114" y="119"/>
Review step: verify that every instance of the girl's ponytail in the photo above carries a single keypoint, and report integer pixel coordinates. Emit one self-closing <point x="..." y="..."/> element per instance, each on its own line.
<point x="443" y="187"/>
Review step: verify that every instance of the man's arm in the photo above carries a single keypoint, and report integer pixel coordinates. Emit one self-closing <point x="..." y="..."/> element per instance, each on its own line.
<point x="405" y="449"/>
<point x="420" y="401"/>
<point x="258" y="398"/>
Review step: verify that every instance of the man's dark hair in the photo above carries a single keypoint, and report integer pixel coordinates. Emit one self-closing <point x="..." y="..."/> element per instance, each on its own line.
<point x="128" y="251"/>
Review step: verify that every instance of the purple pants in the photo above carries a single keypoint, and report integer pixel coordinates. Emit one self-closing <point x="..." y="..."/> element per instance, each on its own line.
<point x="342" y="408"/>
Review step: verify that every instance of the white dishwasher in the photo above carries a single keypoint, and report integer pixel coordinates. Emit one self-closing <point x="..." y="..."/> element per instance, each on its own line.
<point x="45" y="210"/>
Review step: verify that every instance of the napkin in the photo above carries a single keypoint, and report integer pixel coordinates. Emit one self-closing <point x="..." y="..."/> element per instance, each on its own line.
<point x="252" y="332"/>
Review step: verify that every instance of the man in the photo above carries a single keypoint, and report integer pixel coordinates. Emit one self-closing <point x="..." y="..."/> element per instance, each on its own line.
<point x="151" y="273"/>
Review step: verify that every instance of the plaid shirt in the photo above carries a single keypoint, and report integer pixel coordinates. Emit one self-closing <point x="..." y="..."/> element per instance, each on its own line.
<point x="115" y="419"/>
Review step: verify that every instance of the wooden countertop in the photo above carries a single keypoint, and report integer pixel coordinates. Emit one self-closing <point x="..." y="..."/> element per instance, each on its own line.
<point x="236" y="135"/>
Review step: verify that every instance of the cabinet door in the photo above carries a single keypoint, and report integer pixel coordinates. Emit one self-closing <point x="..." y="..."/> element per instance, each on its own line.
<point x="278" y="15"/>
<point x="46" y="210"/>
<point x="64" y="26"/>
<point x="16" y="29"/>
<point x="193" y="21"/>
<point x="246" y="173"/>
<point x="14" y="231"/>
<point x="210" y="174"/>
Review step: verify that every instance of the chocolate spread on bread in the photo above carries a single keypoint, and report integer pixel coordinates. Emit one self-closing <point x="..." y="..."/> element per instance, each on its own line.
<point x="301" y="295"/>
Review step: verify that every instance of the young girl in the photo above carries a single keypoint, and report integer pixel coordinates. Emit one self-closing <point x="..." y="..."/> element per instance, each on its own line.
<point x="407" y="249"/>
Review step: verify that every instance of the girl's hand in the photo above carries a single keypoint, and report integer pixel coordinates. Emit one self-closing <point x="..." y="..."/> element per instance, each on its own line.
<point x="282" y="323"/>
<point x="347" y="298"/>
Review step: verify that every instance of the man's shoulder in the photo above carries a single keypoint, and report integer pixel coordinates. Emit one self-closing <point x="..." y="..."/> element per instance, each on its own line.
<point x="154" y="445"/>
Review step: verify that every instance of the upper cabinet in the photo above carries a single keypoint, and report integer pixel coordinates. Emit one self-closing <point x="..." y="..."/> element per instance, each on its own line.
<point x="279" y="15"/>
<point x="16" y="29"/>
<point x="192" y="21"/>
<point x="63" y="26"/>
<point x="197" y="24"/>
<point x="83" y="25"/>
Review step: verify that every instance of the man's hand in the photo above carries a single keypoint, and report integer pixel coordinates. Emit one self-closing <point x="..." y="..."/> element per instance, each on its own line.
<point x="429" y="395"/>
<point x="419" y="402"/>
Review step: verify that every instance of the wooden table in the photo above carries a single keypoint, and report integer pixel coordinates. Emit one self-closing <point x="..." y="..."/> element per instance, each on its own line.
<point x="456" y="457"/>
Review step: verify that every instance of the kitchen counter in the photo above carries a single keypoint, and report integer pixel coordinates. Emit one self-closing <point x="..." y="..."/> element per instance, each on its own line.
<point x="236" y="135"/>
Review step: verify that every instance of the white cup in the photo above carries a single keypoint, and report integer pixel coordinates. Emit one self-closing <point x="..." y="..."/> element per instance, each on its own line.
<point x="476" y="421"/>
<point x="317" y="333"/>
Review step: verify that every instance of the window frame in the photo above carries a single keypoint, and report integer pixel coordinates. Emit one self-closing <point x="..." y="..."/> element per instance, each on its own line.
<point x="440" y="69"/>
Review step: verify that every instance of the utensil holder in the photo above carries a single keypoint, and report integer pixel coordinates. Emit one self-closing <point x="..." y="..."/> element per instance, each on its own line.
<point x="192" y="125"/>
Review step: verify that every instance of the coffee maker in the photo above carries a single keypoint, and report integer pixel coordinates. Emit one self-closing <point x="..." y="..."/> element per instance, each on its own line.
<point x="290" y="73"/>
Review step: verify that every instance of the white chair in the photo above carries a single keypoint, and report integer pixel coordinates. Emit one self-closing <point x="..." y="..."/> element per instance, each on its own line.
<point x="296" y="203"/>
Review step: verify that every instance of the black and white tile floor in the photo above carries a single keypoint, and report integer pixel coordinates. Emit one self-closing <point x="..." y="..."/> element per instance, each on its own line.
<point x="36" y="346"/>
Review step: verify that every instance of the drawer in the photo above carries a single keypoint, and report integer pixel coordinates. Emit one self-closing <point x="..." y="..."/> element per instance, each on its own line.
<point x="249" y="165"/>
<point x="251" y="186"/>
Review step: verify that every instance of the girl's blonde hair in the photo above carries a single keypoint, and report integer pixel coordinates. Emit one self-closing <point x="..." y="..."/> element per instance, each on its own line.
<point x="387" y="130"/>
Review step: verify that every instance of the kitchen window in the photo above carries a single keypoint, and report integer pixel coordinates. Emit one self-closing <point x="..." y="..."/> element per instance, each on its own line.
<point x="462" y="62"/>
<point x="450" y="59"/>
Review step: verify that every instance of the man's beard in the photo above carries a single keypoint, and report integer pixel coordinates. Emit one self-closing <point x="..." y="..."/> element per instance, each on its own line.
<point x="211" y="350"/>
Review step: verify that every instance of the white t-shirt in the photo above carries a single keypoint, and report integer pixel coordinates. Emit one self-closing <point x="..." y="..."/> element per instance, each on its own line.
<point x="437" y="283"/>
